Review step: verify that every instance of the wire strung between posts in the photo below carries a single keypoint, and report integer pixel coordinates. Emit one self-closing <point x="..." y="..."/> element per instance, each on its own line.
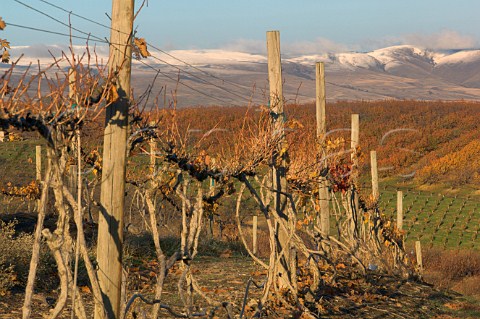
<point x="114" y="45"/>
<point x="197" y="77"/>
<point x="158" y="71"/>
<point x="55" y="32"/>
<point x="184" y="84"/>
<point x="55" y="19"/>
<point x="150" y="45"/>
<point x="98" y="39"/>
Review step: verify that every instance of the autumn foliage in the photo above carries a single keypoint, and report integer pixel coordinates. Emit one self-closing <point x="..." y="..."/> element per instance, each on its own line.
<point x="430" y="141"/>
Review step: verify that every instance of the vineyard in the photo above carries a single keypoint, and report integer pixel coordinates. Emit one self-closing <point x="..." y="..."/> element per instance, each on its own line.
<point x="116" y="207"/>
<point x="435" y="214"/>
<point x="440" y="217"/>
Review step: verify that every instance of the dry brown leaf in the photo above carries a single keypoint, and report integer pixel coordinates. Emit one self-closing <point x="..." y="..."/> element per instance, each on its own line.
<point x="2" y="24"/>
<point x="85" y="289"/>
<point x="141" y="45"/>
<point x="113" y="94"/>
<point x="454" y="306"/>
<point x="220" y="291"/>
<point x="5" y="56"/>
<point x="208" y="160"/>
<point x="4" y="43"/>
<point x="341" y="266"/>
<point x="307" y="315"/>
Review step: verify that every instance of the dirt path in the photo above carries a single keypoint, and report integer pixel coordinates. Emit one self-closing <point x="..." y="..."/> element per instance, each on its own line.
<point x="225" y="279"/>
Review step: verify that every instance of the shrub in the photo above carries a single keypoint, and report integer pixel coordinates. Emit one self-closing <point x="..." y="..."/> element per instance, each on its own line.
<point x="456" y="168"/>
<point x="453" y="268"/>
<point x="454" y="264"/>
<point x="16" y="252"/>
<point x="14" y="257"/>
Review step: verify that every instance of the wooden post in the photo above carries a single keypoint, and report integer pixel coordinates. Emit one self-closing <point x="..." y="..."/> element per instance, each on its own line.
<point x="355" y="138"/>
<point x="418" y="251"/>
<point x="320" y="100"/>
<point x="399" y="210"/>
<point x="210" y="216"/>
<point x="323" y="198"/>
<point x="279" y="180"/>
<point x="38" y="162"/>
<point x="112" y="198"/>
<point x="38" y="168"/>
<point x="254" y="234"/>
<point x="72" y="78"/>
<point x="374" y="170"/>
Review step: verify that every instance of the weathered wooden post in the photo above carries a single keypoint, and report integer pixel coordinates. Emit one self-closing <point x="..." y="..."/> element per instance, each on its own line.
<point x="279" y="180"/>
<point x="320" y="100"/>
<point x="38" y="162"/>
<point x="418" y="251"/>
<point x="210" y="216"/>
<point x="112" y="199"/>
<point x="354" y="142"/>
<point x="38" y="168"/>
<point x="321" y="132"/>
<point x="278" y="116"/>
<point x="72" y="78"/>
<point x="374" y="171"/>
<point x="254" y="234"/>
<point x="399" y="210"/>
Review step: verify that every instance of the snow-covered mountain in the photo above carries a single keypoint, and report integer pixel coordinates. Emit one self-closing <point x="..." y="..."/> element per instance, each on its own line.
<point x="223" y="77"/>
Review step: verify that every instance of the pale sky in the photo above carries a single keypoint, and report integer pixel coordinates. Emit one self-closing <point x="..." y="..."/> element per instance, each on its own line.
<point x="306" y="26"/>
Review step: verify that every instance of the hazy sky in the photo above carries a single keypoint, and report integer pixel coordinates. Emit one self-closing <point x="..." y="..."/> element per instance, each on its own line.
<point x="306" y="26"/>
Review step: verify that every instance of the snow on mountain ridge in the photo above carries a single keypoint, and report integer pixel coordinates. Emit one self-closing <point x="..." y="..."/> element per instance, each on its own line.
<point x="358" y="60"/>
<point x="213" y="56"/>
<point x="380" y="59"/>
<point x="459" y="57"/>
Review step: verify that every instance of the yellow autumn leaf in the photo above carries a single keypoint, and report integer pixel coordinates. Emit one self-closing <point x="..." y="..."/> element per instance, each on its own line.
<point x="298" y="225"/>
<point x="4" y="43"/>
<point x="113" y="94"/>
<point x="141" y="45"/>
<point x="340" y="266"/>
<point x="2" y="24"/>
<point x="294" y="124"/>
<point x="5" y="56"/>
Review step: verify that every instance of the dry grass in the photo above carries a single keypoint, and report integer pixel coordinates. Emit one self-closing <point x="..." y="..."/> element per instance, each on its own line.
<point x="458" y="270"/>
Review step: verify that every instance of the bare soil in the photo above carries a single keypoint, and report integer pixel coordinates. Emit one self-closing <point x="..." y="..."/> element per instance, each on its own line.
<point x="225" y="279"/>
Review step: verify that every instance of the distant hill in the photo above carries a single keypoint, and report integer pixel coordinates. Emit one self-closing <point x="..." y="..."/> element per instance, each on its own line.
<point x="218" y="77"/>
